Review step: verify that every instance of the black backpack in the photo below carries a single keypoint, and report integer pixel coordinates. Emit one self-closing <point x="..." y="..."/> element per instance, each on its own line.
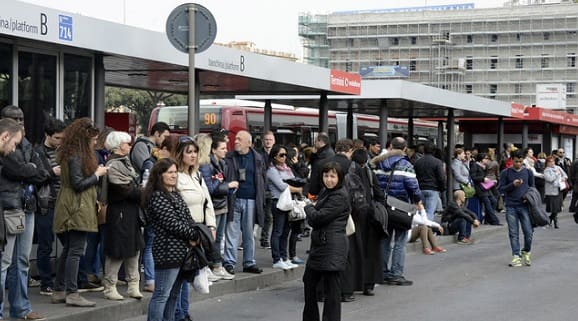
<point x="355" y="190"/>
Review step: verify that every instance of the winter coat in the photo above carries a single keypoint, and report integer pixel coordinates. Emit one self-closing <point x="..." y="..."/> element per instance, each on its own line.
<point x="453" y="212"/>
<point x="478" y="174"/>
<point x="317" y="161"/>
<point x="76" y="202"/>
<point x="430" y="173"/>
<point x="123" y="231"/>
<point x="328" y="218"/>
<point x="404" y="184"/>
<point x="460" y="174"/>
<point x="553" y="179"/>
<point x="232" y="174"/>
<point x="173" y="226"/>
<point x="218" y="190"/>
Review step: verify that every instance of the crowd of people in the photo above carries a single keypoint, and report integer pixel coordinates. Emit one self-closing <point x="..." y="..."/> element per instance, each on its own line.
<point x="118" y="205"/>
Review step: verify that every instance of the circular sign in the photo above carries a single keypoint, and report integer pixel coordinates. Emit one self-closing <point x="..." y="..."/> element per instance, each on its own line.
<point x="178" y="27"/>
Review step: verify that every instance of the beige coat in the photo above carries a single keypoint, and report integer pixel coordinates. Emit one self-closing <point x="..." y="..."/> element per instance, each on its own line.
<point x="196" y="194"/>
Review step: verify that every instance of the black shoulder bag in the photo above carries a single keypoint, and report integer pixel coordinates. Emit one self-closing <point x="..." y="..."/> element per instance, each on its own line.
<point x="400" y="213"/>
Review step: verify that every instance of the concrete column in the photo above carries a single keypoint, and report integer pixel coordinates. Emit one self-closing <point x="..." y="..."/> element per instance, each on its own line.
<point x="99" y="90"/>
<point x="268" y="116"/>
<point x="524" y="135"/>
<point x="410" y="131"/>
<point x="440" y="139"/>
<point x="450" y="152"/>
<point x="500" y="142"/>
<point x="349" y="125"/>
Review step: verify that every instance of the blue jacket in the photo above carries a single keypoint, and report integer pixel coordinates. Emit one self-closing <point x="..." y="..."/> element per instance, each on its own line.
<point x="404" y="184"/>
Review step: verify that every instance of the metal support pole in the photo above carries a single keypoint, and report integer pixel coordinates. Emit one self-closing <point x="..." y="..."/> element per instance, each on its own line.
<point x="410" y="131"/>
<point x="268" y="114"/>
<point x="99" y="91"/>
<point x="349" y="126"/>
<point x="193" y="115"/>
<point x="450" y="153"/>
<point x="383" y="124"/>
<point x="323" y="113"/>
<point x="500" y="137"/>
<point x="440" y="142"/>
<point x="524" y="135"/>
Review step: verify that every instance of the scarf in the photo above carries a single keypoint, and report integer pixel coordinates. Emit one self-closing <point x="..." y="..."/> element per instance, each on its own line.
<point x="284" y="168"/>
<point x="120" y="171"/>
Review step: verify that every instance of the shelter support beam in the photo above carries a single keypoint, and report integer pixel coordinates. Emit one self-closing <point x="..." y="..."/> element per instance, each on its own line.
<point x="268" y="116"/>
<point x="99" y="84"/>
<point x="383" y="124"/>
<point x="450" y="152"/>
<point x="349" y="125"/>
<point x="500" y="137"/>
<point x="524" y="135"/>
<point x="410" y="131"/>
<point x="323" y="113"/>
<point x="440" y="139"/>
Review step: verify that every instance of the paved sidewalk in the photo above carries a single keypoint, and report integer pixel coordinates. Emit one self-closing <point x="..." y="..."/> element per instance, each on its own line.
<point x="130" y="308"/>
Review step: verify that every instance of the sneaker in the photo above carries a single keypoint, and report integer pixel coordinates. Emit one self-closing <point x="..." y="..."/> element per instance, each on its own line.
<point x="212" y="276"/>
<point x="33" y="316"/>
<point x="230" y="269"/>
<point x="89" y="287"/>
<point x="281" y="265"/>
<point x="223" y="274"/>
<point x="92" y="278"/>
<point x="33" y="283"/>
<point x="290" y="264"/>
<point x="76" y="300"/>
<point x="516" y="261"/>
<point x="400" y="280"/>
<point x="46" y="291"/>
<point x="265" y="245"/>
<point x="464" y="241"/>
<point x="439" y="249"/>
<point x="253" y="269"/>
<point x="526" y="258"/>
<point x="297" y="260"/>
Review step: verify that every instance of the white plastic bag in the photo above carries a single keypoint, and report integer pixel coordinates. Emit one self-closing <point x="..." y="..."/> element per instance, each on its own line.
<point x="350" y="227"/>
<point x="201" y="282"/>
<point x="285" y="203"/>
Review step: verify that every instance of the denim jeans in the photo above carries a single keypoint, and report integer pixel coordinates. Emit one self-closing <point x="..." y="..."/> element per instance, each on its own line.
<point x="519" y="216"/>
<point x="397" y="255"/>
<point x="243" y="217"/>
<point x="73" y="247"/>
<point x="147" y="256"/>
<point x="430" y="202"/>
<point x="462" y="227"/>
<point x="45" y="237"/>
<point x="279" y="234"/>
<point x="221" y="227"/>
<point x="182" y="308"/>
<point x="15" y="267"/>
<point x="167" y="291"/>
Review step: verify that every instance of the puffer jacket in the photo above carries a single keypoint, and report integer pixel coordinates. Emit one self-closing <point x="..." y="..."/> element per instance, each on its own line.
<point x="218" y="190"/>
<point x="404" y="184"/>
<point x="328" y="218"/>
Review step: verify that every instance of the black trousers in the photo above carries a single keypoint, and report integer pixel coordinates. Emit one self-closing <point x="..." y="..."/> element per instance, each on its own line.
<point x="332" y="287"/>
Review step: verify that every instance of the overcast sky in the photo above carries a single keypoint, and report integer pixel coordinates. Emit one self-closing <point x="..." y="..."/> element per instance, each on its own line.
<point x="270" y="24"/>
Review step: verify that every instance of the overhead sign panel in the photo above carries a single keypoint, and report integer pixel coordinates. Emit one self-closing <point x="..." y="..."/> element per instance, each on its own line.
<point x="551" y="96"/>
<point x="376" y="72"/>
<point x="345" y="82"/>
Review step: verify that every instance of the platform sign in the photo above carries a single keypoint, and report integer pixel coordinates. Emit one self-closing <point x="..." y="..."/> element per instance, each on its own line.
<point x="65" y="27"/>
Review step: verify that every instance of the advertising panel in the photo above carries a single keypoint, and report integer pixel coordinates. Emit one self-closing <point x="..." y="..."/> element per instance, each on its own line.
<point x="345" y="82"/>
<point x="384" y="72"/>
<point x="551" y="96"/>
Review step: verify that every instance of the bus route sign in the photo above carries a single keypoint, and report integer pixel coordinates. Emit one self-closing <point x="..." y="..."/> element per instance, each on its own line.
<point x="205" y="27"/>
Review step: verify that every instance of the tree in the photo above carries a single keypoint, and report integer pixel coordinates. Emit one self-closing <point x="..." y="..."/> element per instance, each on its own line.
<point x="141" y="102"/>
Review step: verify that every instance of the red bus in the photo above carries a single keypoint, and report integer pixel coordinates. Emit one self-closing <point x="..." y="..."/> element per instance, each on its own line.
<point x="296" y="125"/>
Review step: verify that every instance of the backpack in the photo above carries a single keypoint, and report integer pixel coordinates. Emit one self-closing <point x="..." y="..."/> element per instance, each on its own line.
<point x="149" y="146"/>
<point x="355" y="190"/>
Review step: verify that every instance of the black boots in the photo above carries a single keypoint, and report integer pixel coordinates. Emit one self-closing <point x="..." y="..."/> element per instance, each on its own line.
<point x="554" y="218"/>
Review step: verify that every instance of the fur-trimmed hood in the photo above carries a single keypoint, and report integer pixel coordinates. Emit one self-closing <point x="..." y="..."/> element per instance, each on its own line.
<point x="394" y="153"/>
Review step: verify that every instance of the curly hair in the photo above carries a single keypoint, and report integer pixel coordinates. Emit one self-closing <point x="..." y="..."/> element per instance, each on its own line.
<point x="204" y="141"/>
<point x="79" y="142"/>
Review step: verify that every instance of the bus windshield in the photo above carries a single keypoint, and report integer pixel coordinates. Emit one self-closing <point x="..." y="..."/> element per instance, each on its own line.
<point x="176" y="117"/>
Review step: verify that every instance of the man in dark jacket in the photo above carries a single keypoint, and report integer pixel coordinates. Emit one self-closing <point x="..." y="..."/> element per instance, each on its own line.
<point x="21" y="173"/>
<point x="246" y="166"/>
<point x="459" y="218"/>
<point x="324" y="151"/>
<point x="268" y="142"/>
<point x="431" y="176"/>
<point x="573" y="178"/>
<point x="404" y="186"/>
<point x="53" y="135"/>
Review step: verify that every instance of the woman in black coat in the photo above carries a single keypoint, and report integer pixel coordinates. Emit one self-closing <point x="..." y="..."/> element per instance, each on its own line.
<point x="329" y="245"/>
<point x="478" y="175"/>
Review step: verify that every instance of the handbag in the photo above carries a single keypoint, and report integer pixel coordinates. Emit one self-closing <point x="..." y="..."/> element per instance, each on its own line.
<point x="399" y="213"/>
<point x="15" y="221"/>
<point x="488" y="185"/>
<point x="350" y="227"/>
<point x="297" y="213"/>
<point x="469" y="190"/>
<point x="285" y="203"/>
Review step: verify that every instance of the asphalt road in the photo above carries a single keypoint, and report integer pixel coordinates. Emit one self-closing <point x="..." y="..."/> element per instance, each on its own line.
<point x="469" y="282"/>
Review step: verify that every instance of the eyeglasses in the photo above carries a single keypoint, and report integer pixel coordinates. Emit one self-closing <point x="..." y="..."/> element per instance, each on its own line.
<point x="282" y="155"/>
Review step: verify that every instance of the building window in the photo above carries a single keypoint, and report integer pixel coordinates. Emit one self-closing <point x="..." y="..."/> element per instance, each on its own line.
<point x="571" y="59"/>
<point x="571" y="90"/>
<point x="395" y="41"/>
<point x="77" y="86"/>
<point x="469" y="89"/>
<point x="493" y="62"/>
<point x="494" y="38"/>
<point x="518" y="88"/>
<point x="519" y="61"/>
<point x="546" y="36"/>
<point x="493" y="90"/>
<point x="413" y="40"/>
<point x="350" y="42"/>
<point x="545" y="61"/>
<point x="518" y="37"/>
<point x="412" y="65"/>
<point x="469" y="63"/>
<point x="469" y="39"/>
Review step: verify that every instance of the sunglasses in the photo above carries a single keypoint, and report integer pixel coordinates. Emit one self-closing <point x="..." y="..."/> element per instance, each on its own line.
<point x="282" y="155"/>
<point x="185" y="139"/>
